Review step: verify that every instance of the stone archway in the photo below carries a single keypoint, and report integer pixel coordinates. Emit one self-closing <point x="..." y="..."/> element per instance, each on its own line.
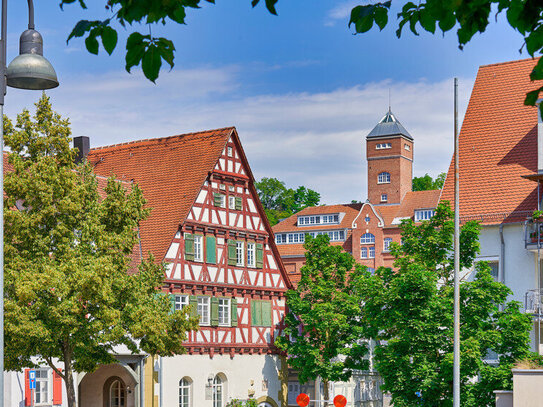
<point x="266" y="401"/>
<point x="94" y="387"/>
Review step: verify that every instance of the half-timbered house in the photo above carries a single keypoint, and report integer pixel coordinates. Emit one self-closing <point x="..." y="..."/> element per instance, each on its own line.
<point x="208" y="226"/>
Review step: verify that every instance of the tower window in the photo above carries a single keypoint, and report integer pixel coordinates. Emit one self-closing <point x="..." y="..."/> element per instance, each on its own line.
<point x="407" y="147"/>
<point x="381" y="146"/>
<point x="384" y="197"/>
<point x="383" y="178"/>
<point x="367" y="238"/>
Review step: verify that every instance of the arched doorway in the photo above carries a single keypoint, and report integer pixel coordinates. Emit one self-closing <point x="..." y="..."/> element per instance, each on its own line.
<point x="114" y="392"/>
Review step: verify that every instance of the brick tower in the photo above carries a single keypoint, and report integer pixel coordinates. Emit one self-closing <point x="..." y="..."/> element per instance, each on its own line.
<point x="389" y="150"/>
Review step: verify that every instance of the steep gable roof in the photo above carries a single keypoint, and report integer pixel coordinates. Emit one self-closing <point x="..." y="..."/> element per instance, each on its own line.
<point x="498" y="145"/>
<point x="170" y="171"/>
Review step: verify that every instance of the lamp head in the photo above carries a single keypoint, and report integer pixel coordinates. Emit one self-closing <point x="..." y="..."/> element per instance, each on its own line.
<point x="30" y="70"/>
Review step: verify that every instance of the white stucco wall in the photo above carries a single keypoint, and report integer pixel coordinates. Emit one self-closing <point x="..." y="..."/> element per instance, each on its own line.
<point x="243" y="373"/>
<point x="520" y="264"/>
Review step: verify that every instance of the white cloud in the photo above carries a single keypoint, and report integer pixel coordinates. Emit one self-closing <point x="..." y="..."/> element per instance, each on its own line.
<point x="342" y="11"/>
<point x="311" y="139"/>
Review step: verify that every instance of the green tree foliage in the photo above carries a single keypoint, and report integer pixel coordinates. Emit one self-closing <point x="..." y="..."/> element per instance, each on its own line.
<point x="426" y="182"/>
<point x="410" y="311"/>
<point x="68" y="293"/>
<point x="470" y="17"/>
<point x="323" y="318"/>
<point x="281" y="202"/>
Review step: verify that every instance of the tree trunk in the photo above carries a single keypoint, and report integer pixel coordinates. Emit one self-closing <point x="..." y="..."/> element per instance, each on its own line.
<point x="325" y="394"/>
<point x="69" y="379"/>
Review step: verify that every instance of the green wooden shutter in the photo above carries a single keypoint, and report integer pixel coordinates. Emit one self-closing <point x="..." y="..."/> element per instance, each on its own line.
<point x="211" y="249"/>
<point x="214" y="311"/>
<point x="259" y="255"/>
<point x="234" y="311"/>
<point x="193" y="302"/>
<point x="189" y="246"/>
<point x="256" y="313"/>
<point x="217" y="200"/>
<point x="172" y="300"/>
<point x="266" y="313"/>
<point x="232" y="252"/>
<point x="238" y="203"/>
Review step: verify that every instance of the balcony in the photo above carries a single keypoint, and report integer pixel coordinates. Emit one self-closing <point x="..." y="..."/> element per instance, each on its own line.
<point x="532" y="302"/>
<point x="533" y="236"/>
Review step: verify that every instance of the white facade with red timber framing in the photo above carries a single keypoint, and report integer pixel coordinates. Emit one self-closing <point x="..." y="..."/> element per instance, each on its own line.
<point x="208" y="226"/>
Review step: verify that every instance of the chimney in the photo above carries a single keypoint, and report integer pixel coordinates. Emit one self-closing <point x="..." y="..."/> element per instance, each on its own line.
<point x="82" y="143"/>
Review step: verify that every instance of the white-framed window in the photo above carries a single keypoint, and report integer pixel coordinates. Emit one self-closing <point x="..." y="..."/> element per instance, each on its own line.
<point x="198" y="248"/>
<point x="222" y="187"/>
<point x="281" y="238"/>
<point x="229" y="151"/>
<point x="367" y="238"/>
<point x="224" y="311"/>
<point x="386" y="244"/>
<point x="381" y="146"/>
<point x="371" y="252"/>
<point x="203" y="310"/>
<point x="384" y="197"/>
<point x="424" y="214"/>
<point x="251" y="250"/>
<point x="383" y="178"/>
<point x="240" y="253"/>
<point x="232" y="202"/>
<point x="117" y="394"/>
<point x="407" y="147"/>
<point x="185" y="390"/>
<point x="231" y="188"/>
<point x="217" y="391"/>
<point x="318" y="219"/>
<point x="181" y="301"/>
<point x="364" y="253"/>
<point x="41" y="395"/>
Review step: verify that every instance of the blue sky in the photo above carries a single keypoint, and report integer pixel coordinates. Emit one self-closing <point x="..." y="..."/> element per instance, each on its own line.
<point x="301" y="89"/>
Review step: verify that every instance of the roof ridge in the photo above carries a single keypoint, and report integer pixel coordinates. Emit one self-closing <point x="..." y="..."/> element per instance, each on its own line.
<point x="508" y="62"/>
<point x="128" y="143"/>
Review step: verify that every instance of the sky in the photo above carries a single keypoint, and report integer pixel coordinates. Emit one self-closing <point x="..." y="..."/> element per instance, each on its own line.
<point x="301" y="89"/>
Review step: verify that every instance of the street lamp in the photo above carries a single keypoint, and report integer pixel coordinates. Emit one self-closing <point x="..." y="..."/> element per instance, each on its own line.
<point x="29" y="70"/>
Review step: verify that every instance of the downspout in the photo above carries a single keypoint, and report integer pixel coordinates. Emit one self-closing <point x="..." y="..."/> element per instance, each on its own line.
<point x="142" y="382"/>
<point x="501" y="264"/>
<point x="161" y="391"/>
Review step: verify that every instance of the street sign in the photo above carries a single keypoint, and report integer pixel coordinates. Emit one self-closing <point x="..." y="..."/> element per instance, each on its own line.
<point x="32" y="379"/>
<point x="340" y="401"/>
<point x="302" y="400"/>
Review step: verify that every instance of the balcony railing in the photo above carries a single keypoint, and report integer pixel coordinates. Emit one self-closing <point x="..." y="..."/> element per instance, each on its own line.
<point x="532" y="302"/>
<point x="533" y="234"/>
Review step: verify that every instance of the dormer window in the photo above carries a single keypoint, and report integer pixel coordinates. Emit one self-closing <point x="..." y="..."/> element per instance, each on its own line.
<point x="383" y="178"/>
<point x="311" y="220"/>
<point x="381" y="146"/>
<point x="424" y="214"/>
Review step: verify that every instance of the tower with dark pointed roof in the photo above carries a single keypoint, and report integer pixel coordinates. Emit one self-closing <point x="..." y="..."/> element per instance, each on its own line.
<point x="389" y="151"/>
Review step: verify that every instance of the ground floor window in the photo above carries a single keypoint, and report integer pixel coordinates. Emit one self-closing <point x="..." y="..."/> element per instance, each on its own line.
<point x="217" y="391"/>
<point x="42" y="386"/>
<point x="184" y="392"/>
<point x="117" y="394"/>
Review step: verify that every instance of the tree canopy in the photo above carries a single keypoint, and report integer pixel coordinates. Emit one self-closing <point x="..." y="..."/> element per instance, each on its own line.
<point x="281" y="202"/>
<point x="468" y="17"/>
<point x="426" y="182"/>
<point x="69" y="295"/>
<point x="323" y="335"/>
<point x="409" y="311"/>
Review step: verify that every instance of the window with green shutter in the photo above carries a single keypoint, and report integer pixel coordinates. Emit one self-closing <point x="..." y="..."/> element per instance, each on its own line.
<point x="193" y="302"/>
<point x="189" y="246"/>
<point x="214" y="311"/>
<point x="172" y="301"/>
<point x="232" y="253"/>
<point x="217" y="200"/>
<point x="234" y="313"/>
<point x="238" y="203"/>
<point x="211" y="249"/>
<point x="261" y="313"/>
<point x="259" y="255"/>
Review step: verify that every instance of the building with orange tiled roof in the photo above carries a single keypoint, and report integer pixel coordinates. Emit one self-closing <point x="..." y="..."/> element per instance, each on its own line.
<point x="501" y="167"/>
<point x="209" y="229"/>
<point x="364" y="229"/>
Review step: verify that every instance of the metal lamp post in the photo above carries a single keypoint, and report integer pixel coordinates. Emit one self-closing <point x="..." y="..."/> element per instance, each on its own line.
<point x="29" y="70"/>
